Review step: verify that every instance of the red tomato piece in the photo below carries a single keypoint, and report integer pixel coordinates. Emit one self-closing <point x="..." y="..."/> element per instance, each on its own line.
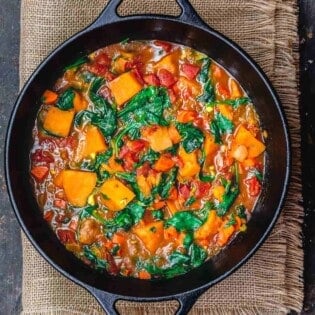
<point x="129" y="160"/>
<point x="223" y="91"/>
<point x="41" y="156"/>
<point x="40" y="172"/>
<point x="164" y="45"/>
<point x="137" y="145"/>
<point x="202" y="189"/>
<point x="138" y="74"/>
<point x="103" y="59"/>
<point x="144" y="169"/>
<point x="60" y="203"/>
<point x="166" y="78"/>
<point x="172" y="95"/>
<point x="190" y="70"/>
<point x="151" y="79"/>
<point x="66" y="236"/>
<point x="48" y="215"/>
<point x="254" y="186"/>
<point x="173" y="194"/>
<point x="184" y="190"/>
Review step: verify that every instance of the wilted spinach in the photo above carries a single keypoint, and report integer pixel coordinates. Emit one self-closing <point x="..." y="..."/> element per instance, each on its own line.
<point x="192" y="137"/>
<point x="184" y="221"/>
<point x="234" y="103"/>
<point x="65" y="100"/>
<point x="77" y="63"/>
<point x="208" y="94"/>
<point x="219" y="126"/>
<point x="91" y="256"/>
<point x="103" y="114"/>
<point x="230" y="194"/>
<point x="166" y="183"/>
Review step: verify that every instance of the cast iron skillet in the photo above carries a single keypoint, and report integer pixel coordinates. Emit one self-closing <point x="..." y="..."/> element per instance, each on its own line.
<point x="190" y="30"/>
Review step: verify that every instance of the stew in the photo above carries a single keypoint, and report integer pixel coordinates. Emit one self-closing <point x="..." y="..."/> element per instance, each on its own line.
<point x="148" y="158"/>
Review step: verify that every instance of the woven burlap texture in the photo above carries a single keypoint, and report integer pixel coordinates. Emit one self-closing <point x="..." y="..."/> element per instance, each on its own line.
<point x="270" y="282"/>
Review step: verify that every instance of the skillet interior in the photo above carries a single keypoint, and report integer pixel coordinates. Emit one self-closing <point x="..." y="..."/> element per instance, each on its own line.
<point x="19" y="142"/>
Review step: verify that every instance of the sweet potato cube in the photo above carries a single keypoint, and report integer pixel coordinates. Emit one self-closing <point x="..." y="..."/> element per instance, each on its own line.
<point x="246" y="138"/>
<point x="78" y="185"/>
<point x="115" y="195"/>
<point x="92" y="141"/>
<point x="210" y="227"/>
<point x="124" y="87"/>
<point x="169" y="62"/>
<point x="79" y="102"/>
<point x="58" y="122"/>
<point x="190" y="166"/>
<point x="158" y="137"/>
<point x="151" y="235"/>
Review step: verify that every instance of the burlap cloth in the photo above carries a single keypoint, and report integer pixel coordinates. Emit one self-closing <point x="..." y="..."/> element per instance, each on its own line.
<point x="271" y="282"/>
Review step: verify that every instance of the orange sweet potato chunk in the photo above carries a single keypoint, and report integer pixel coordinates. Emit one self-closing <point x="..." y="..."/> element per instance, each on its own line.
<point x="92" y="141"/>
<point x="115" y="195"/>
<point x="78" y="185"/>
<point x="190" y="166"/>
<point x="151" y="235"/>
<point x="253" y="145"/>
<point x="58" y="122"/>
<point x="124" y="87"/>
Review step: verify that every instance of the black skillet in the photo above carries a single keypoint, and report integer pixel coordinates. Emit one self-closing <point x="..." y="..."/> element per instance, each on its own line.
<point x="190" y="30"/>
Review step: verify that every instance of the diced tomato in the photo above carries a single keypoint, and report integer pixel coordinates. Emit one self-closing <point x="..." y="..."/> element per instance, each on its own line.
<point x="41" y="156"/>
<point x="202" y="189"/>
<point x="166" y="78"/>
<point x="69" y="142"/>
<point x="151" y="79"/>
<point x="40" y="172"/>
<point x="173" y="194"/>
<point x="48" y="215"/>
<point x="137" y="145"/>
<point x="123" y="151"/>
<point x="184" y="190"/>
<point x="144" y="169"/>
<point x="60" y="217"/>
<point x="253" y="186"/>
<point x="60" y="203"/>
<point x="165" y="46"/>
<point x="73" y="224"/>
<point x="223" y="91"/>
<point x="103" y="59"/>
<point x="138" y="74"/>
<point x="172" y="95"/>
<point x="66" y="236"/>
<point x="129" y="160"/>
<point x="190" y="70"/>
<point x="98" y="69"/>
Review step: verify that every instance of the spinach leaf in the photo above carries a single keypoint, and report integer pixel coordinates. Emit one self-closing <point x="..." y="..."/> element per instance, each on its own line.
<point x="197" y="255"/>
<point x="96" y="164"/>
<point x="184" y="221"/>
<point x="103" y="114"/>
<point x="91" y="256"/>
<point x="208" y="94"/>
<point x="80" y="61"/>
<point x="231" y="221"/>
<point x="188" y="239"/>
<point x="145" y="108"/>
<point x="204" y="211"/>
<point x="150" y="156"/>
<point x="157" y="214"/>
<point x="192" y="137"/>
<point x="190" y="201"/>
<point x="230" y="195"/>
<point x="234" y="103"/>
<point x="179" y="262"/>
<point x="166" y="183"/>
<point x="241" y="211"/>
<point x="220" y="126"/>
<point x="255" y="172"/>
<point x="65" y="100"/>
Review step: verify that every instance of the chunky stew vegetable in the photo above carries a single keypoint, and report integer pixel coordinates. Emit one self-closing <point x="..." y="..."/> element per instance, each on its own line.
<point x="148" y="158"/>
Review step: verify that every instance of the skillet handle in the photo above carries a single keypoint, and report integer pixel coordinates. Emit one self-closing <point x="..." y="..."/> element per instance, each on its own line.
<point x="110" y="15"/>
<point x="187" y="301"/>
<point x="105" y="299"/>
